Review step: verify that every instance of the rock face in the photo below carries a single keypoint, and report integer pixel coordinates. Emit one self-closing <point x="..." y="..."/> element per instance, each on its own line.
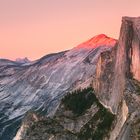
<point x="117" y="66"/>
<point x="129" y="47"/>
<point x="132" y="25"/>
<point x="105" y="77"/>
<point x="127" y="84"/>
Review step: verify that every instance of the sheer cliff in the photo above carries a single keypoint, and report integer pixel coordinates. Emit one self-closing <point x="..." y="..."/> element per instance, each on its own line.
<point x="117" y="83"/>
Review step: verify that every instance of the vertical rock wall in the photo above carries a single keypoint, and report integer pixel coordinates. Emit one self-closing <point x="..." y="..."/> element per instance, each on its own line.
<point x="134" y="50"/>
<point x="115" y="67"/>
<point x="122" y="65"/>
<point x="105" y="77"/>
<point x="129" y="43"/>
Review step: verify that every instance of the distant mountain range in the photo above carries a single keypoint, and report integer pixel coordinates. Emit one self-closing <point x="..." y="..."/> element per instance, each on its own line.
<point x="22" y="60"/>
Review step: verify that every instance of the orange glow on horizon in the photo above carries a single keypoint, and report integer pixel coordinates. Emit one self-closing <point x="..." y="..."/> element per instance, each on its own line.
<point x="35" y="28"/>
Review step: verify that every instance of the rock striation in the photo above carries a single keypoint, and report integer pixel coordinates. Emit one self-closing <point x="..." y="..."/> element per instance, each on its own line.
<point x="132" y="44"/>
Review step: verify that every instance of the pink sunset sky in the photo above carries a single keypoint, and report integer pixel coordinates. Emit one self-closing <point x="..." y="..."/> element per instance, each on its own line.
<point x="34" y="28"/>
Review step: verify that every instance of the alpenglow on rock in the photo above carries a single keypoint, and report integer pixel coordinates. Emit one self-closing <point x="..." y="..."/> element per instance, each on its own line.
<point x="39" y="85"/>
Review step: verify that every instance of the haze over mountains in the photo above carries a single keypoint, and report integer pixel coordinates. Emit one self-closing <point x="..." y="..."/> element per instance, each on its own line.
<point x="109" y="66"/>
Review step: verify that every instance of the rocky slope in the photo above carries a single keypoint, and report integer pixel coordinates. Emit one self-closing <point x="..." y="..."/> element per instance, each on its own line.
<point x="40" y="85"/>
<point x="72" y="121"/>
<point x="116" y="81"/>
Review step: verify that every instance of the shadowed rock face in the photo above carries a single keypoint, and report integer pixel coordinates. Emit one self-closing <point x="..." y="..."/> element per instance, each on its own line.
<point x="130" y="41"/>
<point x="115" y="67"/>
<point x="105" y="77"/>
<point x="127" y="65"/>
<point x="126" y="82"/>
<point x="134" y="48"/>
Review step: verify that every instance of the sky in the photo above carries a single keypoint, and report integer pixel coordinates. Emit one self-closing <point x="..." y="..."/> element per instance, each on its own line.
<point x="34" y="28"/>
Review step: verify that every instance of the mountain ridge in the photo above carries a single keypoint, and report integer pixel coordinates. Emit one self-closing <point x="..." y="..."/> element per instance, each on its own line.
<point x="40" y="84"/>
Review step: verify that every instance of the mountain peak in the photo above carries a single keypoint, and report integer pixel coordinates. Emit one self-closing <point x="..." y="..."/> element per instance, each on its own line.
<point x="98" y="41"/>
<point x="100" y="36"/>
<point x="22" y="60"/>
